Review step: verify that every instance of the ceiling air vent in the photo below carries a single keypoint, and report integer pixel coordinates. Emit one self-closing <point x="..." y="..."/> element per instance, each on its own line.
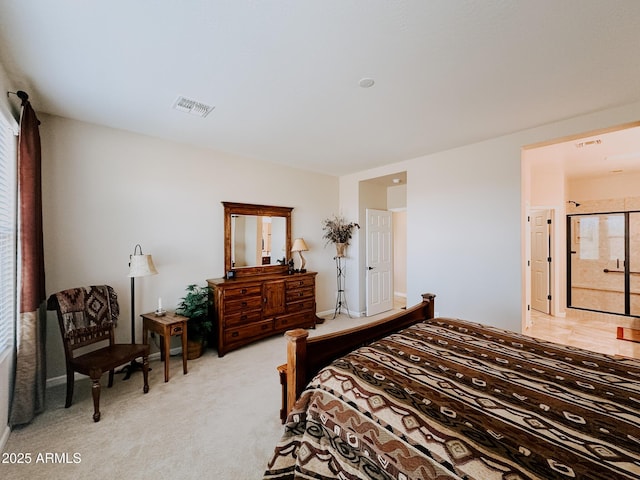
<point x="588" y="143"/>
<point x="193" y="107"/>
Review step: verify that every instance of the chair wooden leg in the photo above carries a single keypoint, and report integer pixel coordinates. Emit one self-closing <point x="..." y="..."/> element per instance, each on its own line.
<point x="111" y="378"/>
<point x="95" y="393"/>
<point x="70" y="381"/>
<point x="145" y="373"/>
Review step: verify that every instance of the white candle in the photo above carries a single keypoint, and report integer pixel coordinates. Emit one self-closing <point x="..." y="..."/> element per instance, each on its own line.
<point x="159" y="304"/>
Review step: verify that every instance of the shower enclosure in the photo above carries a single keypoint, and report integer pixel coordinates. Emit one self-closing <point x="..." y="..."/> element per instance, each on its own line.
<point x="603" y="262"/>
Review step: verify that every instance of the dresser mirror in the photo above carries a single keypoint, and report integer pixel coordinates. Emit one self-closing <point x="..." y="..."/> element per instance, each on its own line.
<point x="257" y="239"/>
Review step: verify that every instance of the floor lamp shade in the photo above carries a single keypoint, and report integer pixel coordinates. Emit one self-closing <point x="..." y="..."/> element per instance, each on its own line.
<point x="140" y="265"/>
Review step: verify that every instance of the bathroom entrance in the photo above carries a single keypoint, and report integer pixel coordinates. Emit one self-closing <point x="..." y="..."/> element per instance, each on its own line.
<point x="603" y="262"/>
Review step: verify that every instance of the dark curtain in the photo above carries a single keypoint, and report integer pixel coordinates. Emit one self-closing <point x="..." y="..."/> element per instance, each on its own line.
<point x="30" y="372"/>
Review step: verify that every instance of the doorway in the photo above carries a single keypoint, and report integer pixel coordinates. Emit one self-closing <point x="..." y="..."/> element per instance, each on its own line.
<point x="386" y="194"/>
<point x="599" y="169"/>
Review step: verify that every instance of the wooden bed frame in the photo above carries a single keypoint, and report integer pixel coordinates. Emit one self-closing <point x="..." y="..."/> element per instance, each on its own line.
<point x="306" y="356"/>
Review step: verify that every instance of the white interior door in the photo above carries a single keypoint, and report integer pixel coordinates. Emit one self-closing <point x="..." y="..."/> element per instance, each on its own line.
<point x="379" y="261"/>
<point x="540" y="260"/>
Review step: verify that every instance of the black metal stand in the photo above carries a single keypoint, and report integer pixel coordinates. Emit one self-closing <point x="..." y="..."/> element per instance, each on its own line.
<point x="341" y="299"/>
<point x="129" y="369"/>
<point x="134" y="365"/>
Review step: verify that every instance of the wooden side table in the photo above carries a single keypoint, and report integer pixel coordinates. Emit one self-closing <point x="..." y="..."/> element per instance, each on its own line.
<point x="166" y="326"/>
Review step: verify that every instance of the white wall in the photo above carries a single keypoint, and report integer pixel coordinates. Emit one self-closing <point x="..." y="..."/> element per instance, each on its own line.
<point x="464" y="220"/>
<point x="105" y="190"/>
<point x="397" y="197"/>
<point x="400" y="253"/>
<point x="606" y="186"/>
<point x="463" y="241"/>
<point x="397" y="202"/>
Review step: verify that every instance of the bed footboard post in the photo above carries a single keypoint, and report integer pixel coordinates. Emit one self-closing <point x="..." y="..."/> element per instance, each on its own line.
<point x="428" y="300"/>
<point x="296" y="364"/>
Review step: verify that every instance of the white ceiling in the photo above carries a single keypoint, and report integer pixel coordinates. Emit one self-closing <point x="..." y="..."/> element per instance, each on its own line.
<point x="283" y="75"/>
<point x="612" y="153"/>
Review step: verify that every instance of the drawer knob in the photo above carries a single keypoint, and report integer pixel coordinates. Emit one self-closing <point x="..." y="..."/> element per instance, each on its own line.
<point x="244" y="304"/>
<point x="234" y="334"/>
<point x="244" y="290"/>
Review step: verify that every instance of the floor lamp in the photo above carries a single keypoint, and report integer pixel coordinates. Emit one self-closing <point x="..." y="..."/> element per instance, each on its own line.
<point x="140" y="265"/>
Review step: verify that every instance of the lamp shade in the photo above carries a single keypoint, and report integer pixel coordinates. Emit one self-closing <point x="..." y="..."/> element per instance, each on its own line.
<point x="299" y="245"/>
<point x="141" y="266"/>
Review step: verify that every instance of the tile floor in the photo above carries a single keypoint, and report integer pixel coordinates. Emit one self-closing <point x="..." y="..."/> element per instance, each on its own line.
<point x="591" y="330"/>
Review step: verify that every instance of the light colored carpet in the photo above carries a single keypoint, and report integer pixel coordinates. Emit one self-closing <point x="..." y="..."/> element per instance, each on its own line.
<point x="220" y="421"/>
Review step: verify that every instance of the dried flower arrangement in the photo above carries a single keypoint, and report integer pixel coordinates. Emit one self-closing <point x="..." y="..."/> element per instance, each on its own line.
<point x="337" y="230"/>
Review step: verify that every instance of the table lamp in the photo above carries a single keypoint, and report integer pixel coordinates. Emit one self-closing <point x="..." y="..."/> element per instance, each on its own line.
<point x="300" y="246"/>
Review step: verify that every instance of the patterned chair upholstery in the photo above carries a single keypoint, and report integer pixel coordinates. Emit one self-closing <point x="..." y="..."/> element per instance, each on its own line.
<point x="88" y="316"/>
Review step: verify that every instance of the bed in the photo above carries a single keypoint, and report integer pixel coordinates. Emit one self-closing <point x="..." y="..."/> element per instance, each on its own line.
<point x="439" y="398"/>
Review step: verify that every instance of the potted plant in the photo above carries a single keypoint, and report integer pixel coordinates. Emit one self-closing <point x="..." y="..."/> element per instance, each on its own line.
<point x="195" y="305"/>
<point x="338" y="231"/>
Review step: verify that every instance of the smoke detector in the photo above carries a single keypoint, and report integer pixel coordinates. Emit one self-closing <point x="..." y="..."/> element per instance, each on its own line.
<point x="192" y="107"/>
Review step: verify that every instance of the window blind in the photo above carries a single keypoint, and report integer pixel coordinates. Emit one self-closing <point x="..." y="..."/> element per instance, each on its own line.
<point x="8" y="234"/>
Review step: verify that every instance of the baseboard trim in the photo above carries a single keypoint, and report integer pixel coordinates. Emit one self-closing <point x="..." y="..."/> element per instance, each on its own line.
<point x="62" y="379"/>
<point x="329" y="313"/>
<point x="5" y="437"/>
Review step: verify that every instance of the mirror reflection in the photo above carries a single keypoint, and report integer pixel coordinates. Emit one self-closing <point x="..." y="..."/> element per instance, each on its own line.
<point x="258" y="240"/>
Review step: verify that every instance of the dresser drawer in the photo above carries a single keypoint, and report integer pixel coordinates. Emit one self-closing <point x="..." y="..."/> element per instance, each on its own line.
<point x="300" y="294"/>
<point x="242" y="318"/>
<point x="301" y="282"/>
<point x="297" y="320"/>
<point x="242" y="305"/>
<point x="237" y="334"/>
<point x="308" y="305"/>
<point x="241" y="291"/>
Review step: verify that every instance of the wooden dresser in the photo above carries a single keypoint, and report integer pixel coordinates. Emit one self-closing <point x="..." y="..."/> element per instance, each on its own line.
<point x="249" y="308"/>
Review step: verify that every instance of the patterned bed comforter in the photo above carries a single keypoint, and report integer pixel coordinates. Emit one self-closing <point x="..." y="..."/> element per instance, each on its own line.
<point x="449" y="399"/>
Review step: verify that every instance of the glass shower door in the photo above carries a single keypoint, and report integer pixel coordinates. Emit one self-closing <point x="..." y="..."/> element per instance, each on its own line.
<point x="634" y="263"/>
<point x="597" y="262"/>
